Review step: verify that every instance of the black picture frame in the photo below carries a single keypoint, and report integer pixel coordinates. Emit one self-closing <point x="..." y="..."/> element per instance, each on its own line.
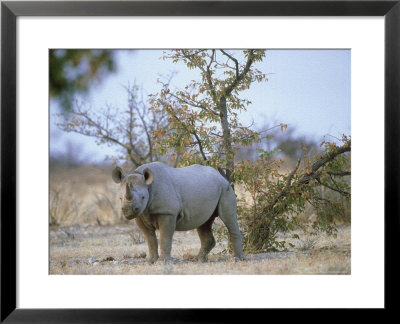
<point x="11" y="10"/>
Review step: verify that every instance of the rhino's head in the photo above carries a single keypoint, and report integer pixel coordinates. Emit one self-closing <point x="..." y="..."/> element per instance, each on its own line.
<point x="134" y="191"/>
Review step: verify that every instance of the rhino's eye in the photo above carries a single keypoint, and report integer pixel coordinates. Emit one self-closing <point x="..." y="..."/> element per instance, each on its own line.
<point x="142" y="197"/>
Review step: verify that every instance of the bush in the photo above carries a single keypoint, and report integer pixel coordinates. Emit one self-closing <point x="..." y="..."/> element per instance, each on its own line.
<point x="277" y="199"/>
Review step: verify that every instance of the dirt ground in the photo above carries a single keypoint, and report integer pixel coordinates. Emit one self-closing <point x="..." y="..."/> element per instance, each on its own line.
<point x="120" y="249"/>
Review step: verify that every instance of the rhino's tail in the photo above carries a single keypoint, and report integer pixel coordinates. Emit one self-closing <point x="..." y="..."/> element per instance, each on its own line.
<point x="227" y="185"/>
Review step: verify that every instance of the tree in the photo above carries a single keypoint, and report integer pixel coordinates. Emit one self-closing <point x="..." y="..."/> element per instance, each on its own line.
<point x="204" y="128"/>
<point x="72" y="71"/>
<point x="203" y="118"/>
<point x="131" y="131"/>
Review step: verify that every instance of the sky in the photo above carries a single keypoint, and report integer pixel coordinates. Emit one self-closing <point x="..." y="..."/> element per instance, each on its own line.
<point x="310" y="90"/>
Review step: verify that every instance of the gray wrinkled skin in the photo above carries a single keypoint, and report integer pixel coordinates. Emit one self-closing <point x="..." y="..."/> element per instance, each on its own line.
<point x="162" y="198"/>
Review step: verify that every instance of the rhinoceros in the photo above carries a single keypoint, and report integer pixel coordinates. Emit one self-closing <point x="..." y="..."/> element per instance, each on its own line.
<point x="169" y="199"/>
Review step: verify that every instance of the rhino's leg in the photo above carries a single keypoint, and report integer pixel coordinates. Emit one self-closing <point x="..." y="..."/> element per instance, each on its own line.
<point x="206" y="238"/>
<point x="151" y="239"/>
<point x="166" y="225"/>
<point x="227" y="213"/>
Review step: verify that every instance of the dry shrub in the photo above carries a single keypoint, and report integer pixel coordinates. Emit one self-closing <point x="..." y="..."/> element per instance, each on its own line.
<point x="64" y="208"/>
<point x="275" y="199"/>
<point x="137" y="237"/>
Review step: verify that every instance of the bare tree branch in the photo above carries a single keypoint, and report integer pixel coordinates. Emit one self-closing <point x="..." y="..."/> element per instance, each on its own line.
<point x="322" y="161"/>
<point x="131" y="131"/>
<point x="339" y="173"/>
<point x="344" y="193"/>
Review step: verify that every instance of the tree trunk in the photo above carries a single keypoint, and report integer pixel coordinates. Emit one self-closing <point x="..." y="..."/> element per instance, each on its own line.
<point x="227" y="139"/>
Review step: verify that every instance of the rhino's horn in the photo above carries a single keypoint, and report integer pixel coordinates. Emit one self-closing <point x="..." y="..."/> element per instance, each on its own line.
<point x="128" y="194"/>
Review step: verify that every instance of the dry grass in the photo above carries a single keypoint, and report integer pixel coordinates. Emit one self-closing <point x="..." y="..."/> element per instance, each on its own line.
<point x="88" y="236"/>
<point x="83" y="195"/>
<point x="111" y="250"/>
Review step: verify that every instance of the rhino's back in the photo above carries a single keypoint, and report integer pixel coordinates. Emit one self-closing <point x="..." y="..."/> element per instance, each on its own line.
<point x="197" y="177"/>
<point x="192" y="192"/>
<point x="198" y="180"/>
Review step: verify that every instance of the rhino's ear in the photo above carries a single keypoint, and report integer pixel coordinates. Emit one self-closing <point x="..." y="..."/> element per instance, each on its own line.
<point x="117" y="175"/>
<point x="148" y="176"/>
